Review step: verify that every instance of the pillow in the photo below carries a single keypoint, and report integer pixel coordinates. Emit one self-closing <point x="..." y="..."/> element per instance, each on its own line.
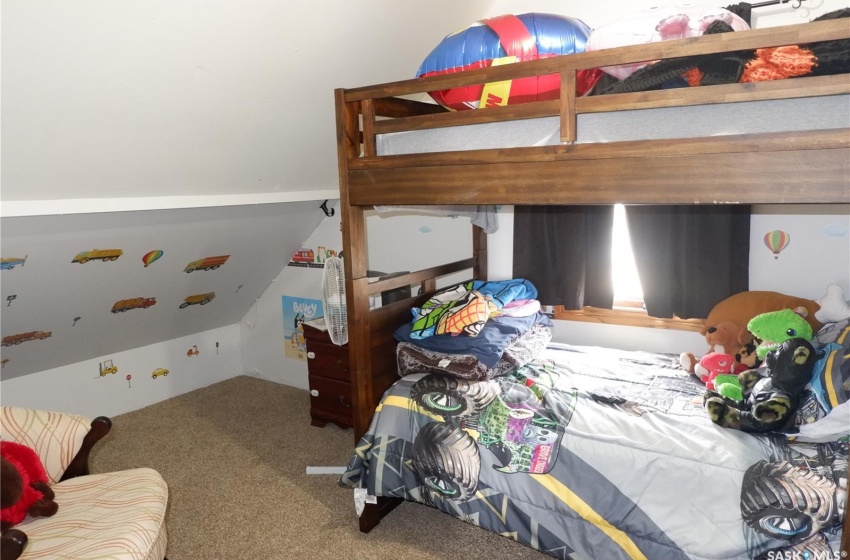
<point x="824" y="411"/>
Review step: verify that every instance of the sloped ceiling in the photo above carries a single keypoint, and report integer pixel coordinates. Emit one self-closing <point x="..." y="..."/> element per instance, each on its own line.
<point x="119" y="98"/>
<point x="74" y="301"/>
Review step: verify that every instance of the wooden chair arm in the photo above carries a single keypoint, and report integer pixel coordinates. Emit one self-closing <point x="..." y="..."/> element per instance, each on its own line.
<point x="12" y="544"/>
<point x="79" y="465"/>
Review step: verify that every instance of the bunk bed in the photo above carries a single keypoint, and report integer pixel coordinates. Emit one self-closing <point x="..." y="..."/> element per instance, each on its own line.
<point x="378" y="166"/>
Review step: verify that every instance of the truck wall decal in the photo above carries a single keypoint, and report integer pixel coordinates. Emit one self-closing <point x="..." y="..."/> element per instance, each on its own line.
<point x="209" y="263"/>
<point x="98" y="254"/>
<point x="134" y="303"/>
<point x="24" y="337"/>
<point x="198" y="299"/>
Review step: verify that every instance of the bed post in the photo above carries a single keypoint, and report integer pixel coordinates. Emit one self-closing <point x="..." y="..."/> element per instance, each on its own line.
<point x="356" y="286"/>
<point x="479" y="252"/>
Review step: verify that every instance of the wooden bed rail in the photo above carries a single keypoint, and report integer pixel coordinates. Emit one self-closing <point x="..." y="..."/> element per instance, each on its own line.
<point x="706" y="44"/>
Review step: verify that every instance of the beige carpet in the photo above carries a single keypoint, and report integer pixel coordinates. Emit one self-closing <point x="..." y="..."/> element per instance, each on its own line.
<point x="234" y="456"/>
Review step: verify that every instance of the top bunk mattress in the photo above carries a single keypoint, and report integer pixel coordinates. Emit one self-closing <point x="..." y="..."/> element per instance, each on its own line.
<point x="778" y="115"/>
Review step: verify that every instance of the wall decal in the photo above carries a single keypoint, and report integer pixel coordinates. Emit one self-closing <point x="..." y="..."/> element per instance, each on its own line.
<point x="425" y="229"/>
<point x="98" y="254"/>
<point x="159" y="372"/>
<point x="151" y="257"/>
<point x="24" y="337"/>
<point x="10" y="299"/>
<point x="208" y="263"/>
<point x="134" y="303"/>
<point x="201" y="299"/>
<point x="239" y="287"/>
<point x="128" y="378"/>
<point x="9" y="264"/>
<point x="4" y="362"/>
<point x="75" y="321"/>
<point x="835" y="230"/>
<point x="776" y="240"/>
<point x="296" y="310"/>
<point x="308" y="258"/>
<point x="106" y="367"/>
<point x="193" y="351"/>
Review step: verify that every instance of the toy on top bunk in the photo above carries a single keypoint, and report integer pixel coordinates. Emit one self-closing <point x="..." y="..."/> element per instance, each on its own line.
<point x="773" y="63"/>
<point x="502" y="40"/>
<point x="770" y="396"/>
<point x="660" y="23"/>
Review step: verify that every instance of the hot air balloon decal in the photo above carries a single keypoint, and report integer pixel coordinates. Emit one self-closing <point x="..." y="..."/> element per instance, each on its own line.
<point x="151" y="257"/>
<point x="776" y="241"/>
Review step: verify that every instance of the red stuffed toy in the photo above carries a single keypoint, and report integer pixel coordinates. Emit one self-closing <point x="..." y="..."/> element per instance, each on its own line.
<point x="24" y="487"/>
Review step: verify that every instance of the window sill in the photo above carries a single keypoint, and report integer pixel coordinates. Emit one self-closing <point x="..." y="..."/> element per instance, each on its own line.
<point x="636" y="318"/>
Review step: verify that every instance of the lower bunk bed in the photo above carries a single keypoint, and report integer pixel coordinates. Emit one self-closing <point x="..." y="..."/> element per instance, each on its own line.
<point x="586" y="452"/>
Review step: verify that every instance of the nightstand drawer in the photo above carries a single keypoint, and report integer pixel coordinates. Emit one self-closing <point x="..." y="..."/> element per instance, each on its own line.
<point x="329" y="395"/>
<point x="328" y="360"/>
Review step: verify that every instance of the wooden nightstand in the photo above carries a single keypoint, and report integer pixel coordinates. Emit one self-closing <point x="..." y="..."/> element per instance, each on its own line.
<point x="329" y="378"/>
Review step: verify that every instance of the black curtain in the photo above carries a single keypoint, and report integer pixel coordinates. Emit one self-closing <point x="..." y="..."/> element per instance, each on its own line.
<point x="690" y="257"/>
<point x="565" y="251"/>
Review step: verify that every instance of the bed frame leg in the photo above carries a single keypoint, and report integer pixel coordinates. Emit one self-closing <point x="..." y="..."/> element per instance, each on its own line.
<point x="373" y="513"/>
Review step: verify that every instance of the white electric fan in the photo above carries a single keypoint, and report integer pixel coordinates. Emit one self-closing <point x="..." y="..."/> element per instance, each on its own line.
<point x="333" y="286"/>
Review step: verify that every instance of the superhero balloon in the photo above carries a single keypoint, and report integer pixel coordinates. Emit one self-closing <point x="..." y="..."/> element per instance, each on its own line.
<point x="504" y="40"/>
<point x="151" y="257"/>
<point x="776" y="241"/>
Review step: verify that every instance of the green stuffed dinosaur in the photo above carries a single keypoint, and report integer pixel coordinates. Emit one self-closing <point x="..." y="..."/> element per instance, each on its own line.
<point x="775" y="327"/>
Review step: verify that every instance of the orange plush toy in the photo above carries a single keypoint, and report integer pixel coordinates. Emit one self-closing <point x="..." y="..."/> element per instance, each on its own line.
<point x="24" y="488"/>
<point x="725" y="329"/>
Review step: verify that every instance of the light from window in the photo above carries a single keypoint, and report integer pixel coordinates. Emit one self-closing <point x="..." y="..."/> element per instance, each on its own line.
<point x="627" y="288"/>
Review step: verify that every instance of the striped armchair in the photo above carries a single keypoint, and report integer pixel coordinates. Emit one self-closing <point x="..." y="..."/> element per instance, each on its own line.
<point x="116" y="516"/>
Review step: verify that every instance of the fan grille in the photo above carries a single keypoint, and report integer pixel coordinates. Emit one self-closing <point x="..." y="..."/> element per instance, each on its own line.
<point x="336" y="317"/>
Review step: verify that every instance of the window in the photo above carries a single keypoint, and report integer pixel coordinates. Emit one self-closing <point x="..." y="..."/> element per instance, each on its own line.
<point x="628" y="294"/>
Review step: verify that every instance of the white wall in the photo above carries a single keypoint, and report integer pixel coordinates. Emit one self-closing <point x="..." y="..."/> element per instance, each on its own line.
<point x="396" y="242"/>
<point x="80" y="389"/>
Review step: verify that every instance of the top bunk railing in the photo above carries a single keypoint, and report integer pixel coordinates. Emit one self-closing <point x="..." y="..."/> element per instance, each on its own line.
<point x="387" y="100"/>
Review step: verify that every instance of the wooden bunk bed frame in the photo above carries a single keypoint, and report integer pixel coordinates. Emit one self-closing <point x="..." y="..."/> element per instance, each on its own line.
<point x="767" y="168"/>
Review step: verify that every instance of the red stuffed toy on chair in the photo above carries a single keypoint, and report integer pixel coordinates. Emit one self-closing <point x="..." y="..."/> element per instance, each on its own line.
<point x="24" y="487"/>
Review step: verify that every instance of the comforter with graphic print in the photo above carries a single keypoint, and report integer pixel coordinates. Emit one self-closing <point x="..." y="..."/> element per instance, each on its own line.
<point x="598" y="453"/>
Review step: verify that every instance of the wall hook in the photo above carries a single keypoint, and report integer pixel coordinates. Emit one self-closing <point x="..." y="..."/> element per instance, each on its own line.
<point x="328" y="211"/>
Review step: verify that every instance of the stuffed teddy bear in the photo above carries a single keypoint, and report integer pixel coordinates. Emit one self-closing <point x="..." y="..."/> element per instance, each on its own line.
<point x="770" y="401"/>
<point x="24" y="488"/>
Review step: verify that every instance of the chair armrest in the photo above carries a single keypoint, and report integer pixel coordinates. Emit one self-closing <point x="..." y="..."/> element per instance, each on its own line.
<point x="79" y="465"/>
<point x="12" y="544"/>
<point x="57" y="438"/>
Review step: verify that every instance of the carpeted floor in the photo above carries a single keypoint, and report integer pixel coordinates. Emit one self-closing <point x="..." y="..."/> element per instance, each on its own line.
<point x="234" y="455"/>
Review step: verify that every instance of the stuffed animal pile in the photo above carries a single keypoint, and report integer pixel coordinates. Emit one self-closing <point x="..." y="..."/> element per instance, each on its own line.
<point x="766" y="399"/>
<point x="771" y="401"/>
<point x="726" y="332"/>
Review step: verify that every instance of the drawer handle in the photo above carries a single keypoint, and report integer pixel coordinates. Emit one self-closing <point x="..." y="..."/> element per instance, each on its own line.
<point x="314" y="392"/>
<point x="343" y="403"/>
<point x="311" y="355"/>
